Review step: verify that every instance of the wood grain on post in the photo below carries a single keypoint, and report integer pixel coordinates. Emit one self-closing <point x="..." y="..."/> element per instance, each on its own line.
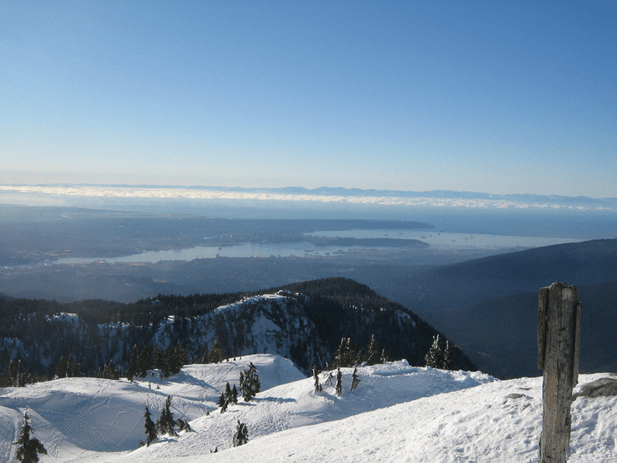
<point x="559" y="315"/>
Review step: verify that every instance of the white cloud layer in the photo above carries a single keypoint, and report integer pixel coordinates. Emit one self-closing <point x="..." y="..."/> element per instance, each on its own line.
<point x="366" y="197"/>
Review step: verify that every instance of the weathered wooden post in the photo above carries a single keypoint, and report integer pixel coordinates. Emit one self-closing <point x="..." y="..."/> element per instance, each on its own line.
<point x="559" y="328"/>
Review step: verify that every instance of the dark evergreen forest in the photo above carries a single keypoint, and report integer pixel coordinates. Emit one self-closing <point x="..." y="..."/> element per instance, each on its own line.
<point x="37" y="333"/>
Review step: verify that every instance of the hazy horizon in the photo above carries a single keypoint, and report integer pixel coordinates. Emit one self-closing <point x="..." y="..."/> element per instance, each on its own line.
<point x="495" y="98"/>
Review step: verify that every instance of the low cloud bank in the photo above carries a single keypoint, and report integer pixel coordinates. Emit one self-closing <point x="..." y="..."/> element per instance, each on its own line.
<point x="326" y="195"/>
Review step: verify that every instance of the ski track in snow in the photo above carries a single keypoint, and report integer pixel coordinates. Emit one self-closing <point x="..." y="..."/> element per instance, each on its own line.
<point x="397" y="413"/>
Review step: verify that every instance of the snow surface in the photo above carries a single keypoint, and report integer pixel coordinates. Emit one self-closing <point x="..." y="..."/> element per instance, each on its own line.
<point x="397" y="413"/>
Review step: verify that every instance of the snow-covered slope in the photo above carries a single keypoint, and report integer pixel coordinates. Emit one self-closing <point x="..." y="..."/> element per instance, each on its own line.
<point x="76" y="417"/>
<point x="497" y="422"/>
<point x="397" y="413"/>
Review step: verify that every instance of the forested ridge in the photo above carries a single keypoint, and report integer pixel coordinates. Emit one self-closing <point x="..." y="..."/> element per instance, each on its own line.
<point x="307" y="322"/>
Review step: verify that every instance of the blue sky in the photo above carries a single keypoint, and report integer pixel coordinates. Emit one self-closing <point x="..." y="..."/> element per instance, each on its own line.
<point x="495" y="97"/>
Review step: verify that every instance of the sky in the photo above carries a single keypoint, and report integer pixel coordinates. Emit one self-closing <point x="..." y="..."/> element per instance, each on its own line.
<point x="491" y="97"/>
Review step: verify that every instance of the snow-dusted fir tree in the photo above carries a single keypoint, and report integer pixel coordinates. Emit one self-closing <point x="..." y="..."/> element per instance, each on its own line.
<point x="249" y="383"/>
<point x="318" y="387"/>
<point x="227" y="398"/>
<point x="385" y="356"/>
<point x="339" y="382"/>
<point x="241" y="436"/>
<point x="165" y="423"/>
<point x="346" y="354"/>
<point x="29" y="448"/>
<point x="372" y="356"/>
<point x="254" y="379"/>
<point x="150" y="428"/>
<point x="234" y="395"/>
<point x="354" y="379"/>
<point x="222" y="403"/>
<point x="434" y="356"/>
<point x="448" y="357"/>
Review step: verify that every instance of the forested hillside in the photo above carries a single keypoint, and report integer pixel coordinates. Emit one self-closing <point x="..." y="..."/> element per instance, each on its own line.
<point x="304" y="322"/>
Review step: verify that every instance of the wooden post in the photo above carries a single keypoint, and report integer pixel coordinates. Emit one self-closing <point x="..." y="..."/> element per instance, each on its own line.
<point x="559" y="320"/>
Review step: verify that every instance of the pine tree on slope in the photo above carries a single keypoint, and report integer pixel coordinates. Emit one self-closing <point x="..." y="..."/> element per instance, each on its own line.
<point x="165" y="423"/>
<point x="241" y="436"/>
<point x="339" y="382"/>
<point x="318" y="387"/>
<point x="222" y="402"/>
<point x="434" y="356"/>
<point x="385" y="356"/>
<point x="29" y="448"/>
<point x="372" y="353"/>
<point x="249" y="383"/>
<point x="254" y="379"/>
<point x="234" y="395"/>
<point x="354" y="379"/>
<point x="448" y="357"/>
<point x="150" y="428"/>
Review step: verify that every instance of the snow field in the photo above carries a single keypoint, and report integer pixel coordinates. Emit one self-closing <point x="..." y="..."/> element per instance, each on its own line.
<point x="397" y="413"/>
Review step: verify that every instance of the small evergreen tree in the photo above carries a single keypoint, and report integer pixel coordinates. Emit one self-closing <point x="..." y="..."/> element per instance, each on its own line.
<point x="241" y="436"/>
<point x="226" y="398"/>
<point x="73" y="368"/>
<point x="354" y="379"/>
<point x="60" y="368"/>
<point x="222" y="402"/>
<point x="372" y="353"/>
<point x="434" y="356"/>
<point x="385" y="356"/>
<point x="150" y="428"/>
<point x="234" y="395"/>
<point x="174" y="359"/>
<point x="110" y="371"/>
<point x="339" y="382"/>
<point x="318" y="387"/>
<point x="254" y="379"/>
<point x="249" y="383"/>
<point x="29" y="448"/>
<point x="448" y="357"/>
<point x="165" y="423"/>
<point x="346" y="354"/>
<point x="183" y="425"/>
